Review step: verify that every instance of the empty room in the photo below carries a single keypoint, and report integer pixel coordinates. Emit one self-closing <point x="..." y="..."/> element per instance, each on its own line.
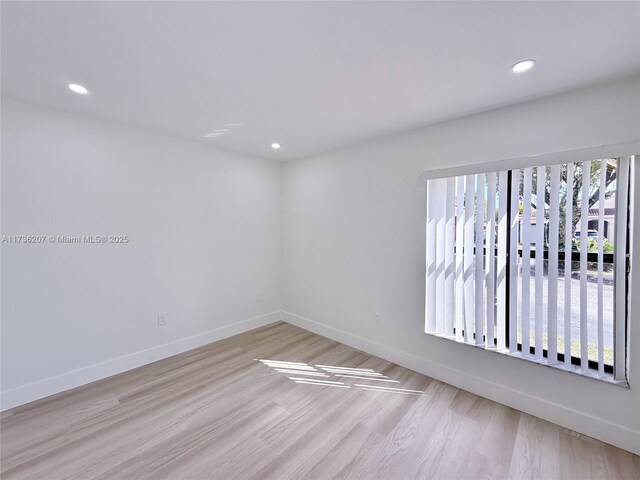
<point x="320" y="240"/>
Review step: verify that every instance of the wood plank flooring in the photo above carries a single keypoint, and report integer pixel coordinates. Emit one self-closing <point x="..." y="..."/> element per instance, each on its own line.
<point x="234" y="409"/>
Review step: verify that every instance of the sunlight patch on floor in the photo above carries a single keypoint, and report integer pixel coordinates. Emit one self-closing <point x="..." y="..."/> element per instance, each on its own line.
<point x="329" y="376"/>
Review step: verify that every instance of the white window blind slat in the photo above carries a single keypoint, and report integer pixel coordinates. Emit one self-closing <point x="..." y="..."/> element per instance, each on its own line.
<point x="490" y="258"/>
<point x="430" y="303"/>
<point x="584" y="236"/>
<point x="568" y="245"/>
<point x="501" y="268"/>
<point x="526" y="260"/>
<point x="620" y="265"/>
<point x="601" y="207"/>
<point x="449" y="259"/>
<point x="554" y="233"/>
<point x="441" y="186"/>
<point x="479" y="259"/>
<point x="469" y="288"/>
<point x="539" y="263"/>
<point x="513" y="260"/>
<point x="460" y="213"/>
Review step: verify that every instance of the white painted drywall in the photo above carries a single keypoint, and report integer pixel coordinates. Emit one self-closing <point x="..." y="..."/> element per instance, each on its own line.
<point x="204" y="229"/>
<point x="354" y="244"/>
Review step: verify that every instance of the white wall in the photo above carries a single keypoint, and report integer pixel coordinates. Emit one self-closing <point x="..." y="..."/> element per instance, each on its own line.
<point x="205" y="238"/>
<point x="353" y="234"/>
<point x="205" y="229"/>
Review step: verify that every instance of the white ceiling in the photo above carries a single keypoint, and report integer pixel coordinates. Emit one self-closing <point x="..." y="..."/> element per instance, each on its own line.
<point x="312" y="76"/>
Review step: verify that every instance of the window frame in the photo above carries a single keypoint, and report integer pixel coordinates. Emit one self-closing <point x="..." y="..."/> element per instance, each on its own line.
<point x="618" y="372"/>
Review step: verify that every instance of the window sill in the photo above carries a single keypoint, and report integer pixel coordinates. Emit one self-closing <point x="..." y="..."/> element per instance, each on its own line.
<point x="574" y="369"/>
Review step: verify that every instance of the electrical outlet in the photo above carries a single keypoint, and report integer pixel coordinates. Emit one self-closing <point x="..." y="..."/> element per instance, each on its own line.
<point x="162" y="319"/>
<point x="376" y="318"/>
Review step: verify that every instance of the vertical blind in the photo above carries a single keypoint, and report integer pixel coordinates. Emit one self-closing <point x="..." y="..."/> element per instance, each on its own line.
<point x="532" y="262"/>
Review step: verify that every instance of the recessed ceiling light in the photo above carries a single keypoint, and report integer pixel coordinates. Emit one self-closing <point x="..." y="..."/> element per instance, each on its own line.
<point x="75" y="88"/>
<point x="232" y="125"/>
<point x="212" y="134"/>
<point x="275" y="146"/>
<point x="221" y="130"/>
<point x="523" y="66"/>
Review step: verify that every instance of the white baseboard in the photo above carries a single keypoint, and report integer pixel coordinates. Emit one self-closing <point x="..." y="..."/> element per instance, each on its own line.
<point x="614" y="434"/>
<point x="608" y="432"/>
<point x="75" y="378"/>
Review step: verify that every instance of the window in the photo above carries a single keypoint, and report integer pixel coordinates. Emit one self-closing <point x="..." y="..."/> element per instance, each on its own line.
<point x="533" y="262"/>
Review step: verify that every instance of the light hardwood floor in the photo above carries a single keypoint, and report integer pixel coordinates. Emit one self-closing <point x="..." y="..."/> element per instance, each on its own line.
<point x="220" y="412"/>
